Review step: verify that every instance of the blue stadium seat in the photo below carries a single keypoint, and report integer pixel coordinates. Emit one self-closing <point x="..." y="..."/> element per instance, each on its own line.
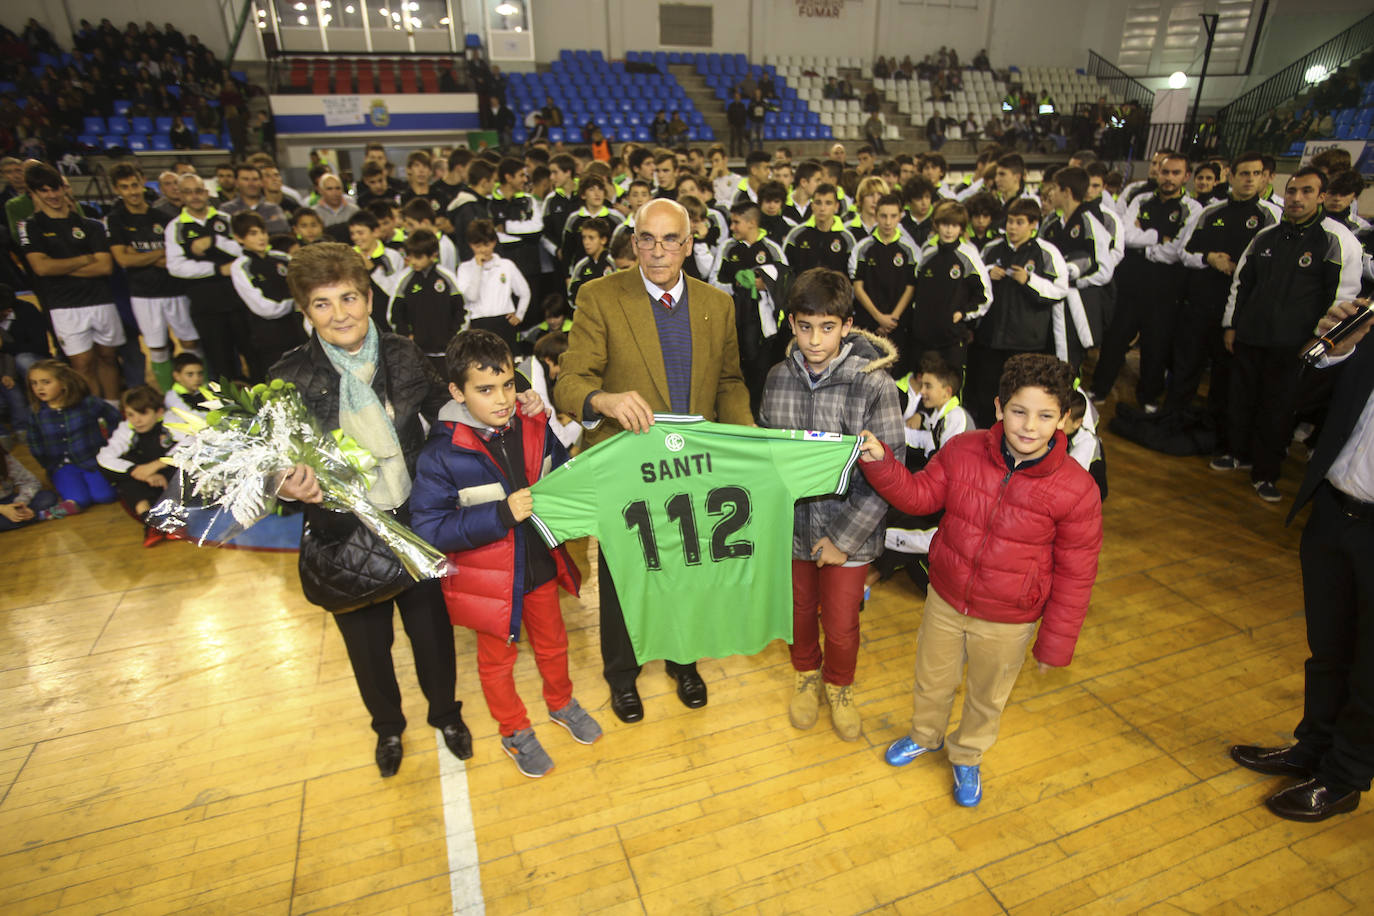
<point x="141" y="126"/>
<point x="642" y="135"/>
<point x="113" y="141"/>
<point x="161" y="142"/>
<point x="93" y="125"/>
<point x="207" y="140"/>
<point x="122" y="107"/>
<point x="164" y="124"/>
<point x="89" y="140"/>
<point x="117" y="125"/>
<point x="138" y="143"/>
<point x="556" y="135"/>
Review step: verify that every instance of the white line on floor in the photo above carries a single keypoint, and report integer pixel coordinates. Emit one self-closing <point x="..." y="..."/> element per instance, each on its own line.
<point x="465" y="881"/>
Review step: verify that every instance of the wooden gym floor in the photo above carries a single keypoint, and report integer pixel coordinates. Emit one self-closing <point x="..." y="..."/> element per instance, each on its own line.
<point x="181" y="734"/>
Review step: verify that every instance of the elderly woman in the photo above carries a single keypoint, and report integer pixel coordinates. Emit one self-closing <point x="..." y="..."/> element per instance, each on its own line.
<point x="375" y="387"/>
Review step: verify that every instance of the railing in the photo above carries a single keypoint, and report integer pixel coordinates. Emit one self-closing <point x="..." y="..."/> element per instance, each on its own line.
<point x="1121" y="84"/>
<point x="1238" y="120"/>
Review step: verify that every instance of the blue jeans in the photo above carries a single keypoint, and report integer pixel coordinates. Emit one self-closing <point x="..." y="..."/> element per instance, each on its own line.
<point x="43" y="499"/>
<point x="82" y="487"/>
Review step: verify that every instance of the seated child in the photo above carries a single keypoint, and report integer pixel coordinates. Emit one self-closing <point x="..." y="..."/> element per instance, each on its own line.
<point x="834" y="380"/>
<point x="933" y="417"/>
<point x="188" y="375"/>
<point x="68" y="430"/>
<point x="427" y="306"/>
<point x="23" y="500"/>
<point x="1085" y="446"/>
<point x="993" y="575"/>
<point x="132" y="458"/>
<point x="259" y="277"/>
<point x="472" y="500"/>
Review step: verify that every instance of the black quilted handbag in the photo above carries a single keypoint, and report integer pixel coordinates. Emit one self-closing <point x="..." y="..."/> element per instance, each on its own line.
<point x="344" y="566"/>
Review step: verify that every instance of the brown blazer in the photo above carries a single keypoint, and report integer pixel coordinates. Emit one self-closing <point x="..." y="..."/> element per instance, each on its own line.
<point x="613" y="346"/>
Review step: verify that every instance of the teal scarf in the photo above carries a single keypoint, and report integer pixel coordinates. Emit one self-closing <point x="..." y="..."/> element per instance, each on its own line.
<point x="363" y="416"/>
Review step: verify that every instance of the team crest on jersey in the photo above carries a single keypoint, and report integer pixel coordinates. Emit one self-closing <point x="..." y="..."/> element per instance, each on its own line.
<point x="898" y="259"/>
<point x="835" y="245"/>
<point x="1252" y="222"/>
<point x="503" y="278"/>
<point x="761" y="257"/>
<point x="1073" y="233"/>
<point x="956" y="272"/>
<point x="1173" y="217"/>
<point x="674" y="442"/>
<point x="1029" y="267"/>
<point x="281" y="270"/>
<point x="78" y="233"/>
<point x="218" y="226"/>
<point x="435" y="205"/>
<point x="157" y="228"/>
<point x="440" y="286"/>
<point x="1305" y="260"/>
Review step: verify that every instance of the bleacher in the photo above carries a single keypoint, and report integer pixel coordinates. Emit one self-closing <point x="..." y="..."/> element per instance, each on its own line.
<point x="792" y="119"/>
<point x="121" y="129"/>
<point x="1350" y="123"/>
<point x="363" y="76"/>
<point x="622" y="102"/>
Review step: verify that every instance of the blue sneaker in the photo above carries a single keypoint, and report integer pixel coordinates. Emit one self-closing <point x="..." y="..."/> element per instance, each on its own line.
<point x="968" y="785"/>
<point x="904" y="750"/>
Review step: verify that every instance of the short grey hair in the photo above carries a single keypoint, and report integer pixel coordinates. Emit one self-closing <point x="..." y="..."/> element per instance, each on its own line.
<point x="678" y="208"/>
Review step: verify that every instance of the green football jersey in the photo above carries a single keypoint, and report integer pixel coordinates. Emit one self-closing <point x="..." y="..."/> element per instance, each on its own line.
<point x="695" y="520"/>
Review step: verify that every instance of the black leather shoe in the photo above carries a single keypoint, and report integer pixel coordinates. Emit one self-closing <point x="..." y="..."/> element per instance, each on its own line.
<point x="458" y="739"/>
<point x="1272" y="761"/>
<point x="625" y="703"/>
<point x="1312" y="800"/>
<point x="389" y="754"/>
<point x="691" y="689"/>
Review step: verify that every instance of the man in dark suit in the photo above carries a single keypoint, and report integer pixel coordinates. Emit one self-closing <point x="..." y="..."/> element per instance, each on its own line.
<point x="1333" y="759"/>
<point x="626" y="361"/>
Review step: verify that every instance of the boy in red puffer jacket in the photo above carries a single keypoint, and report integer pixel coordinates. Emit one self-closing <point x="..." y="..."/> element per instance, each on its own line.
<point x="471" y="499"/>
<point x="1018" y="544"/>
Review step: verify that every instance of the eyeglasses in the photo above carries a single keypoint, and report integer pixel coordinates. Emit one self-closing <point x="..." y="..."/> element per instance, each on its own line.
<point x="646" y="242"/>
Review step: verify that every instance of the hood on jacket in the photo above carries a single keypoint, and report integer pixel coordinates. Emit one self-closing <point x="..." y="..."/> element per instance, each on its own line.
<point x="453" y="412"/>
<point x="879" y="352"/>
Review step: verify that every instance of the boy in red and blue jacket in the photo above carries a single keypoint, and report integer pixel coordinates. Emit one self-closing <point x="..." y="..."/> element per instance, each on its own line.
<point x="471" y="499"/>
<point x="1017" y="546"/>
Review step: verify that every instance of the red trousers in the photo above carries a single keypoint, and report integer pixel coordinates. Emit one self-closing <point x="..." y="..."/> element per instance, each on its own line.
<point x="827" y="597"/>
<point x="543" y="623"/>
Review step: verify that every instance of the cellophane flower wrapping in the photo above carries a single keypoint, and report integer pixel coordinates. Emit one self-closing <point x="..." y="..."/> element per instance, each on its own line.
<point x="236" y="456"/>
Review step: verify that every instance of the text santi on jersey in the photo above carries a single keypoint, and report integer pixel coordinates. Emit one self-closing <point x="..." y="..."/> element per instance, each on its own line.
<point x="679" y="466"/>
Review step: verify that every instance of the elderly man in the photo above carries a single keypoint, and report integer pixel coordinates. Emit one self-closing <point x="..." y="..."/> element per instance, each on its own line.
<point x="169" y="199"/>
<point x="646" y="341"/>
<point x="333" y="206"/>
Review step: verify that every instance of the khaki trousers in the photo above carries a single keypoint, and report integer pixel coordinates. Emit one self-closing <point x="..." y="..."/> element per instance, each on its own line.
<point x="994" y="653"/>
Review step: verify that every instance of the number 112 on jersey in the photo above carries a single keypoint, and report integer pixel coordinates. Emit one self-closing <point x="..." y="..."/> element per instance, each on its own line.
<point x="729" y="505"/>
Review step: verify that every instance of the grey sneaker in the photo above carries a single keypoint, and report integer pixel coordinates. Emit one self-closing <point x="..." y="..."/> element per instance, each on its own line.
<point x="579" y="724"/>
<point x="1266" y="491"/>
<point x="529" y="755"/>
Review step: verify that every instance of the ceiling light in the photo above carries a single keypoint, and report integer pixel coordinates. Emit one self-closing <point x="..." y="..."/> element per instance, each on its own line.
<point x="1316" y="73"/>
<point x="444" y="21"/>
<point x="1178" y="79"/>
<point x="262" y="13"/>
<point x="300" y="7"/>
<point x="349" y="9"/>
<point x="507" y="9"/>
<point x="304" y="20"/>
<point x="262" y="25"/>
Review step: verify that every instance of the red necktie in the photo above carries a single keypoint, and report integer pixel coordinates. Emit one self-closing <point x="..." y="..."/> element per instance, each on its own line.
<point x="667" y="300"/>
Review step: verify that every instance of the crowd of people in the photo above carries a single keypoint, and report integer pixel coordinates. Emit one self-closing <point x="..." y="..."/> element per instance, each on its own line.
<point x="1311" y="115"/>
<point x="945" y="326"/>
<point x="159" y="72"/>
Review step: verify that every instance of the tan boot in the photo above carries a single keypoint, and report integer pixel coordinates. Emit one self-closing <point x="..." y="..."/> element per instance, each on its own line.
<point x="805" y="707"/>
<point x="844" y="715"/>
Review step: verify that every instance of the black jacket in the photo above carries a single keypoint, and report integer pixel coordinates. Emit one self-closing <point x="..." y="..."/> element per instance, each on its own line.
<point x="1288" y="277"/>
<point x="1354" y="384"/>
<point x="404" y="380"/>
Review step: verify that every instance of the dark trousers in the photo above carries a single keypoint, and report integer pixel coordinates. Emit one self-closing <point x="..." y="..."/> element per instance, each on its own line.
<point x="620" y="667"/>
<point x="738" y="146"/>
<point x="1158" y="313"/>
<point x="756" y="353"/>
<point x="1264" y="398"/>
<point x="981" y="377"/>
<point x="368" y="634"/>
<point x="224" y="336"/>
<point x="1336" y="735"/>
<point x="1121" y="327"/>
<point x="1197" y="341"/>
<point x="499" y="325"/>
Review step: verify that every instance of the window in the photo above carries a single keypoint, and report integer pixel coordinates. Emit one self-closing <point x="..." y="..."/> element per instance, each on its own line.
<point x="685" y="25"/>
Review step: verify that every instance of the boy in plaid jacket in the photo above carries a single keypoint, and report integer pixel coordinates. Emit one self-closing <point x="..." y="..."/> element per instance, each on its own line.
<point x="833" y="380"/>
